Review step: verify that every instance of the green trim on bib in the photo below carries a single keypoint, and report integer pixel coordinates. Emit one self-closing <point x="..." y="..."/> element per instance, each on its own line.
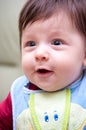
<point x="33" y="112"/>
<point x="67" y="110"/>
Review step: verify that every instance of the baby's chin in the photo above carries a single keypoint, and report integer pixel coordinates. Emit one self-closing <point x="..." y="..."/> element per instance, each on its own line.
<point x="50" y="89"/>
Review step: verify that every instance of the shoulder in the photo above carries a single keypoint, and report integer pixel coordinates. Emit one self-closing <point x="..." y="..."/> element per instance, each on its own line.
<point x="6" y="113"/>
<point x="80" y="91"/>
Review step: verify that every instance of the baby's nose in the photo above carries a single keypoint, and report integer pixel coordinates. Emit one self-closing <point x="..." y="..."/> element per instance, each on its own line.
<point x="42" y="54"/>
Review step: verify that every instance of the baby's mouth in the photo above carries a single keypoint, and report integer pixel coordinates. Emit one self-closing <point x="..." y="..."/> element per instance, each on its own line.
<point x="43" y="71"/>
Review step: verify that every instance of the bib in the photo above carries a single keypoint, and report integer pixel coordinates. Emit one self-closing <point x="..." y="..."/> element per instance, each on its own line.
<point x="52" y="111"/>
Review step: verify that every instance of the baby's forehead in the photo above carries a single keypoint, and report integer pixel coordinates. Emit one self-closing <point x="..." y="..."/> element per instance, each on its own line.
<point x="53" y="20"/>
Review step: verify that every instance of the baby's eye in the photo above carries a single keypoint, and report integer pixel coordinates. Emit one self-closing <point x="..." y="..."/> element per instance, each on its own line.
<point x="57" y="42"/>
<point x="30" y="43"/>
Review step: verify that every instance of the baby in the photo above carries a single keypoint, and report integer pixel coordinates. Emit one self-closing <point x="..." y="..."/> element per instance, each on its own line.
<point x="52" y="93"/>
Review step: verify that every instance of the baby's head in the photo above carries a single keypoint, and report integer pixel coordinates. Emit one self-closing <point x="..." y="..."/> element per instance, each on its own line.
<point x="34" y="10"/>
<point x="53" y="38"/>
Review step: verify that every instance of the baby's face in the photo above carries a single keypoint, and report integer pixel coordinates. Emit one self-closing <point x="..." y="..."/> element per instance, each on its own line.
<point x="53" y="52"/>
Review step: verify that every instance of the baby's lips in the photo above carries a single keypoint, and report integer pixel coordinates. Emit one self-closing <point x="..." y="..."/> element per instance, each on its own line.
<point x="43" y="71"/>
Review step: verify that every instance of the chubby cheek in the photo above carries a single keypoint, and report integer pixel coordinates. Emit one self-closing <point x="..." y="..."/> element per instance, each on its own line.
<point x="26" y="65"/>
<point x="69" y="70"/>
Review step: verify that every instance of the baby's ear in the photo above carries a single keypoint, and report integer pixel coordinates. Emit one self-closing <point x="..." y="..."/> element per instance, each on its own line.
<point x="84" y="62"/>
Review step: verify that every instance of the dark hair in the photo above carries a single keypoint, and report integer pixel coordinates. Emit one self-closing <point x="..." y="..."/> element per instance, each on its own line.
<point x="34" y="10"/>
